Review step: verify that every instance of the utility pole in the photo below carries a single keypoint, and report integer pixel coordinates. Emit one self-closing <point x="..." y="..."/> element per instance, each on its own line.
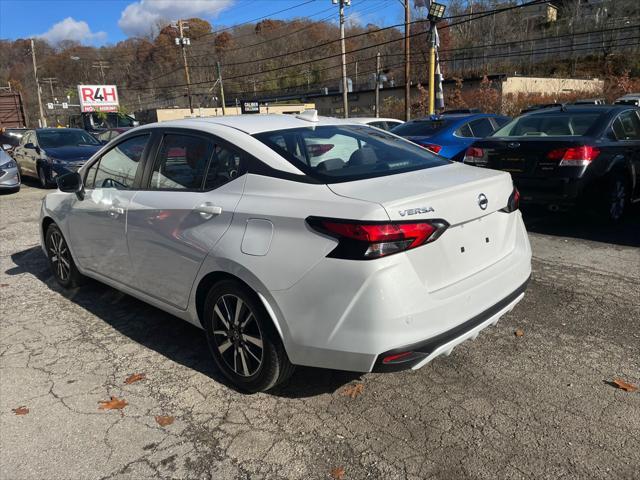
<point x="345" y="98"/>
<point x="224" y="108"/>
<point x="101" y="65"/>
<point x="378" y="85"/>
<point x="51" y="81"/>
<point x="436" y="13"/>
<point x="183" y="42"/>
<point x="407" y="60"/>
<point x="43" y="121"/>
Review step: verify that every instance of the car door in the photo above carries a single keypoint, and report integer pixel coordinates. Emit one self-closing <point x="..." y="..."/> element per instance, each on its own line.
<point x="192" y="189"/>
<point x="97" y="223"/>
<point x="626" y="131"/>
<point x="25" y="154"/>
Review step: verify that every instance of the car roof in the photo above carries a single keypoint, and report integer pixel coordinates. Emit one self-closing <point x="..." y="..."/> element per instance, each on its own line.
<point x="56" y="129"/>
<point x="581" y="109"/>
<point x="252" y="124"/>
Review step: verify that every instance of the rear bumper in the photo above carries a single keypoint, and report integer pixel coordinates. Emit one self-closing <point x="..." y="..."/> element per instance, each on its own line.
<point x="550" y="191"/>
<point x="345" y="315"/>
<point x="423" y="352"/>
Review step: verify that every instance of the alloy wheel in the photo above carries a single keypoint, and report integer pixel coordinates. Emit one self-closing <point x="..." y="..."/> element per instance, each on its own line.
<point x="42" y="177"/>
<point x="237" y="335"/>
<point x="617" y="198"/>
<point x="60" y="256"/>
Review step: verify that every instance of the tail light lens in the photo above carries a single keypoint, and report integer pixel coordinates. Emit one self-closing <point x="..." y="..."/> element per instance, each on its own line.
<point x="574" y="156"/>
<point x="513" y="203"/>
<point x="431" y="147"/>
<point x="319" y="149"/>
<point x="370" y="240"/>
<point x="474" y="156"/>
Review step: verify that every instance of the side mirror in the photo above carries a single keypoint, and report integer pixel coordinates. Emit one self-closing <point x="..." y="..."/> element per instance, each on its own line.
<point x="6" y="147"/>
<point x="30" y="146"/>
<point x="71" y="183"/>
<point x="136" y="123"/>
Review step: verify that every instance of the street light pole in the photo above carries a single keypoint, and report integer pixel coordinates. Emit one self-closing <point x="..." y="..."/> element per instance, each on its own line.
<point x="183" y="43"/>
<point x="378" y="85"/>
<point x="407" y="60"/>
<point x="43" y="121"/>
<point x="345" y="98"/>
<point x="436" y="13"/>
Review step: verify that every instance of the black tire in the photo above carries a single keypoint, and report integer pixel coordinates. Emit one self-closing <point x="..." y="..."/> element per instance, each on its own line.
<point x="615" y="197"/>
<point x="60" y="260"/>
<point x="42" y="178"/>
<point x="237" y="325"/>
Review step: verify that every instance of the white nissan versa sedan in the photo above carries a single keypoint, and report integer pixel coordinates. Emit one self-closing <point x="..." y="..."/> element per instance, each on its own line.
<point x="379" y="258"/>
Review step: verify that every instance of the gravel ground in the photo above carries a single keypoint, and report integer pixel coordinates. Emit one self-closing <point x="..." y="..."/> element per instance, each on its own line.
<point x="539" y="405"/>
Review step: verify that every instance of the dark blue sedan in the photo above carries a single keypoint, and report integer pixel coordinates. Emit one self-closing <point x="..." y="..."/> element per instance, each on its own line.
<point x="450" y="135"/>
<point x="46" y="153"/>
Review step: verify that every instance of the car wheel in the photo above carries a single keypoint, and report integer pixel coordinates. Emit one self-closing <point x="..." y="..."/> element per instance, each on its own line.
<point x="616" y="197"/>
<point x="243" y="341"/>
<point x="60" y="260"/>
<point x="42" y="177"/>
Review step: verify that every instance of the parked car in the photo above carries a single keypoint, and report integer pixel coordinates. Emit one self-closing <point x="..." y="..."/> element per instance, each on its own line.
<point x="10" y="138"/>
<point x="9" y="175"/>
<point x="629" y="99"/>
<point x="94" y="122"/>
<point x="107" y="135"/>
<point x="587" y="156"/>
<point x="46" y="153"/>
<point x="450" y="135"/>
<point x="381" y="259"/>
<point x="383" y="123"/>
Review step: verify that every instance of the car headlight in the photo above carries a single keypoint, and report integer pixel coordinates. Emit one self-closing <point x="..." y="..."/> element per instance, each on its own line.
<point x="8" y="165"/>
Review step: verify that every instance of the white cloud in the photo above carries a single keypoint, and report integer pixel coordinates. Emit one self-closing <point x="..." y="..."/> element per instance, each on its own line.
<point x="143" y="17"/>
<point x="71" y="29"/>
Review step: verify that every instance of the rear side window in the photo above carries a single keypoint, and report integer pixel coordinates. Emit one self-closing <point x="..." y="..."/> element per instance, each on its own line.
<point x="349" y="152"/>
<point x="117" y="168"/>
<point x="627" y="126"/>
<point x="225" y="165"/>
<point x="550" y="125"/>
<point x="481" y="128"/>
<point x="181" y="163"/>
<point x="464" y="131"/>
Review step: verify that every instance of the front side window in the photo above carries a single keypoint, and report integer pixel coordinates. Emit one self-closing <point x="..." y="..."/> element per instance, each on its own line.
<point x="550" y="125"/>
<point x="117" y="168"/>
<point x="349" y="152"/>
<point x="627" y="126"/>
<point x="181" y="163"/>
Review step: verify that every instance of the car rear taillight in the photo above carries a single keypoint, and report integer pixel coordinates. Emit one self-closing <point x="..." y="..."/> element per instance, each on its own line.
<point x="319" y="149"/>
<point x="513" y="203"/>
<point x="574" y="156"/>
<point x="369" y="240"/>
<point x="431" y="147"/>
<point x="474" y="156"/>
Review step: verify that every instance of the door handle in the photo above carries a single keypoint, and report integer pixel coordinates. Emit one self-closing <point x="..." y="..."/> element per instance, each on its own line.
<point x="115" y="211"/>
<point x="208" y="210"/>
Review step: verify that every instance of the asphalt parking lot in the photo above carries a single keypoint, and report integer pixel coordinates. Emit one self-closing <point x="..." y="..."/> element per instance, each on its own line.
<point x="536" y="405"/>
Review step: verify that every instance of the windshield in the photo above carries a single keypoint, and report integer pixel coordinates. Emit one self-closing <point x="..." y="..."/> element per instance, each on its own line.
<point x="65" y="138"/>
<point x="559" y="124"/>
<point x="424" y="128"/>
<point x="341" y="153"/>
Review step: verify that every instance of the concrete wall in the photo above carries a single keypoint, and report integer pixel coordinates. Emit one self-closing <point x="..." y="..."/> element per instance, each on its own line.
<point x="551" y="86"/>
<point x="166" y="114"/>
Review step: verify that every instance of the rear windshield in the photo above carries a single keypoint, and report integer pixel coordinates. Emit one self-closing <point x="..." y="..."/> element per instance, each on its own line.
<point x="350" y="152"/>
<point x="420" y="127"/>
<point x="549" y="125"/>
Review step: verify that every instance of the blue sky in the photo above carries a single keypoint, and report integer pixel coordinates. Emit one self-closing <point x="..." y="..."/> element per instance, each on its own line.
<point x="98" y="22"/>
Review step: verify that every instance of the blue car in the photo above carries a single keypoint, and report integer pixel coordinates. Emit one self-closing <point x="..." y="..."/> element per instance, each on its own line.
<point x="450" y="135"/>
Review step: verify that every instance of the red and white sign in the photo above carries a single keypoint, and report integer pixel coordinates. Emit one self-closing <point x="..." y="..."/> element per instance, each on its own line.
<point x="98" y="98"/>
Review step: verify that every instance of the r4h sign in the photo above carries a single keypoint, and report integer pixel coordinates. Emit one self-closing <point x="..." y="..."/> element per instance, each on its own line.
<point x="98" y="98"/>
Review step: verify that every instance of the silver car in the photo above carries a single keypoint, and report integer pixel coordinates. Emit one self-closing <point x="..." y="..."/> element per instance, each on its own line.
<point x="9" y="175"/>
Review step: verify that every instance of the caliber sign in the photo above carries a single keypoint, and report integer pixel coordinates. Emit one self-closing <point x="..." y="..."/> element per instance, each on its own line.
<point x="98" y="98"/>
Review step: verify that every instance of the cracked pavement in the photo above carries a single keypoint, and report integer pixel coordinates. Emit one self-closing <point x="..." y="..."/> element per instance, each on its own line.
<point x="537" y="406"/>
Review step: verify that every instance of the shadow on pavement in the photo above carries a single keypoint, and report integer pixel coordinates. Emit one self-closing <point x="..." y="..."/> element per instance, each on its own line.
<point x="171" y="337"/>
<point x="585" y="227"/>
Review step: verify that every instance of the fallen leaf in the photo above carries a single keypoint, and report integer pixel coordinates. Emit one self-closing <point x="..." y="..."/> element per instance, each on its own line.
<point x="621" y="384"/>
<point x="519" y="332"/>
<point x="337" y="473"/>
<point x="20" y="410"/>
<point x="114" y="404"/>
<point x="4" y="285"/>
<point x="353" y="391"/>
<point x="163" y="420"/>
<point x="136" y="377"/>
